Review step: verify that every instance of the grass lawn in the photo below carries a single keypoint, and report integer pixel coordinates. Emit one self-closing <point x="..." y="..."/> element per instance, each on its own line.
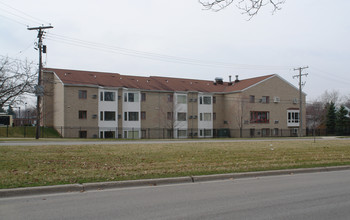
<point x="22" y="166"/>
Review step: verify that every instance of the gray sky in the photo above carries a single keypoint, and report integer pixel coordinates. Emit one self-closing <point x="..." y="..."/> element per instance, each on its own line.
<point x="180" y="39"/>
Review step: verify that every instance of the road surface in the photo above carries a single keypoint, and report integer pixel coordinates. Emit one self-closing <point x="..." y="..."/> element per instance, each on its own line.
<point x="318" y="196"/>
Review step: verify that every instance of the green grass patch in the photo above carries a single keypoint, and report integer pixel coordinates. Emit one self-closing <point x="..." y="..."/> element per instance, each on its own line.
<point x="27" y="132"/>
<point x="22" y="166"/>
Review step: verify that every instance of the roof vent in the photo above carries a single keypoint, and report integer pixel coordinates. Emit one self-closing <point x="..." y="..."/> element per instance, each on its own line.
<point x="230" y="80"/>
<point x="219" y="80"/>
<point x="237" y="80"/>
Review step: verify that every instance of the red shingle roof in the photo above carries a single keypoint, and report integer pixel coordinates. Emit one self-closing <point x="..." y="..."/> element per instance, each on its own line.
<point x="75" y="77"/>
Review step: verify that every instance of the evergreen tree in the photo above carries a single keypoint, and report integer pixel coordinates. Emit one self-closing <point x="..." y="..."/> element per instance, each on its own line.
<point x="331" y="119"/>
<point x="10" y="111"/>
<point x="2" y="109"/>
<point x="341" y="120"/>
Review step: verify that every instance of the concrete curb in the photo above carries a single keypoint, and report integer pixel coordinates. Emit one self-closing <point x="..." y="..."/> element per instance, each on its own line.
<point x="27" y="191"/>
<point x="134" y="183"/>
<point x="154" y="182"/>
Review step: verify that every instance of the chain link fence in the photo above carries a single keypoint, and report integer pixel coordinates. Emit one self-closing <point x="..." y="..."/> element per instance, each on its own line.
<point x="158" y="133"/>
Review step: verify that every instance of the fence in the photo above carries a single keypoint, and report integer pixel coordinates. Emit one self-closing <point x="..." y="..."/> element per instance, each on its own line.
<point x="157" y="133"/>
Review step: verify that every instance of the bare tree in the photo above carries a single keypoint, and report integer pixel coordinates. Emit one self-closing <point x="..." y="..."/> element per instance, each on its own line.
<point x="332" y="96"/>
<point x="16" y="79"/>
<point x="241" y="111"/>
<point x="249" y="7"/>
<point x="315" y="114"/>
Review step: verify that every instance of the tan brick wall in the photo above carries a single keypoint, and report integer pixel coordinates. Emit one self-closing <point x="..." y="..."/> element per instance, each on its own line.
<point x="192" y="110"/>
<point x="48" y="100"/>
<point x="219" y="109"/>
<point x="72" y="106"/>
<point x="274" y="87"/>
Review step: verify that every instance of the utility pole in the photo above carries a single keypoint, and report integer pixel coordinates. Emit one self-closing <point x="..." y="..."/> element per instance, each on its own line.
<point x="300" y="69"/>
<point x="39" y="90"/>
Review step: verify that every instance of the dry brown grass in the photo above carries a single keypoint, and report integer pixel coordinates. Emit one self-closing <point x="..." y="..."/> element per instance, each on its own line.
<point x="49" y="165"/>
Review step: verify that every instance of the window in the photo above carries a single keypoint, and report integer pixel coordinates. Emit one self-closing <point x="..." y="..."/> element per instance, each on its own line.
<point x="82" y="134"/>
<point x="82" y="114"/>
<point x="133" y="116"/>
<point x="207" y="100"/>
<point x="252" y="99"/>
<point x="214" y="99"/>
<point x="181" y="99"/>
<point x="259" y="117"/>
<point x="265" y="99"/>
<point x="169" y="115"/>
<point x="109" y="116"/>
<point x="207" y="116"/>
<point x="109" y="134"/>
<point x="207" y="132"/>
<point x="182" y="133"/>
<point x="143" y="97"/>
<point x="293" y="118"/>
<point x="265" y="132"/>
<point x="181" y="116"/>
<point x="82" y="94"/>
<point x="101" y="116"/>
<point x="101" y="96"/>
<point x="170" y="98"/>
<point x="143" y="115"/>
<point x="214" y="115"/>
<point x="109" y="96"/>
<point x="132" y="134"/>
<point x="125" y="116"/>
<point x="131" y="97"/>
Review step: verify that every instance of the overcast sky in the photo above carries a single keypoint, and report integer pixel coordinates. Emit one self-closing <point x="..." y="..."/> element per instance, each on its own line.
<point x="180" y="39"/>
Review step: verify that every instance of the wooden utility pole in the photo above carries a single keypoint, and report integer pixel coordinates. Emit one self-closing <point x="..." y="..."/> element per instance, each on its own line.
<point x="39" y="89"/>
<point x="300" y="69"/>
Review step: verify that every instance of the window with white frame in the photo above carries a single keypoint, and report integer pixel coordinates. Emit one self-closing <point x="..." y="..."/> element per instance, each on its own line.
<point x="109" y="96"/>
<point x="131" y="97"/>
<point x="181" y="116"/>
<point x="293" y="117"/>
<point x="205" y="116"/>
<point x="182" y="133"/>
<point x="109" y="116"/>
<point x="133" y="116"/>
<point x="181" y="99"/>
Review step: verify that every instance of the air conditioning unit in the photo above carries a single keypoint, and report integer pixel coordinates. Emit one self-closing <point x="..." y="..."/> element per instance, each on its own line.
<point x="276" y="121"/>
<point x="276" y="99"/>
<point x="191" y="117"/>
<point x="94" y="96"/>
<point x="295" y="101"/>
<point x="195" y="117"/>
<point x="94" y="116"/>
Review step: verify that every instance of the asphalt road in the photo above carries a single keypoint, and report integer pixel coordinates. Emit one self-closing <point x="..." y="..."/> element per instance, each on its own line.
<point x="323" y="195"/>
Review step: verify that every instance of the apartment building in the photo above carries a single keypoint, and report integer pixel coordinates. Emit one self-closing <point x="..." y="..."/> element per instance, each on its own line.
<point x="90" y="104"/>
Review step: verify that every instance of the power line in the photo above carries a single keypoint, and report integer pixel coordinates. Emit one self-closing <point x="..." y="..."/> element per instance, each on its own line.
<point x="156" y="56"/>
<point x="21" y="14"/>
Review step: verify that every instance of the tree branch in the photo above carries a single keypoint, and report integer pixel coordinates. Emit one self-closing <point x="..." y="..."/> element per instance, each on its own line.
<point x="249" y="7"/>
